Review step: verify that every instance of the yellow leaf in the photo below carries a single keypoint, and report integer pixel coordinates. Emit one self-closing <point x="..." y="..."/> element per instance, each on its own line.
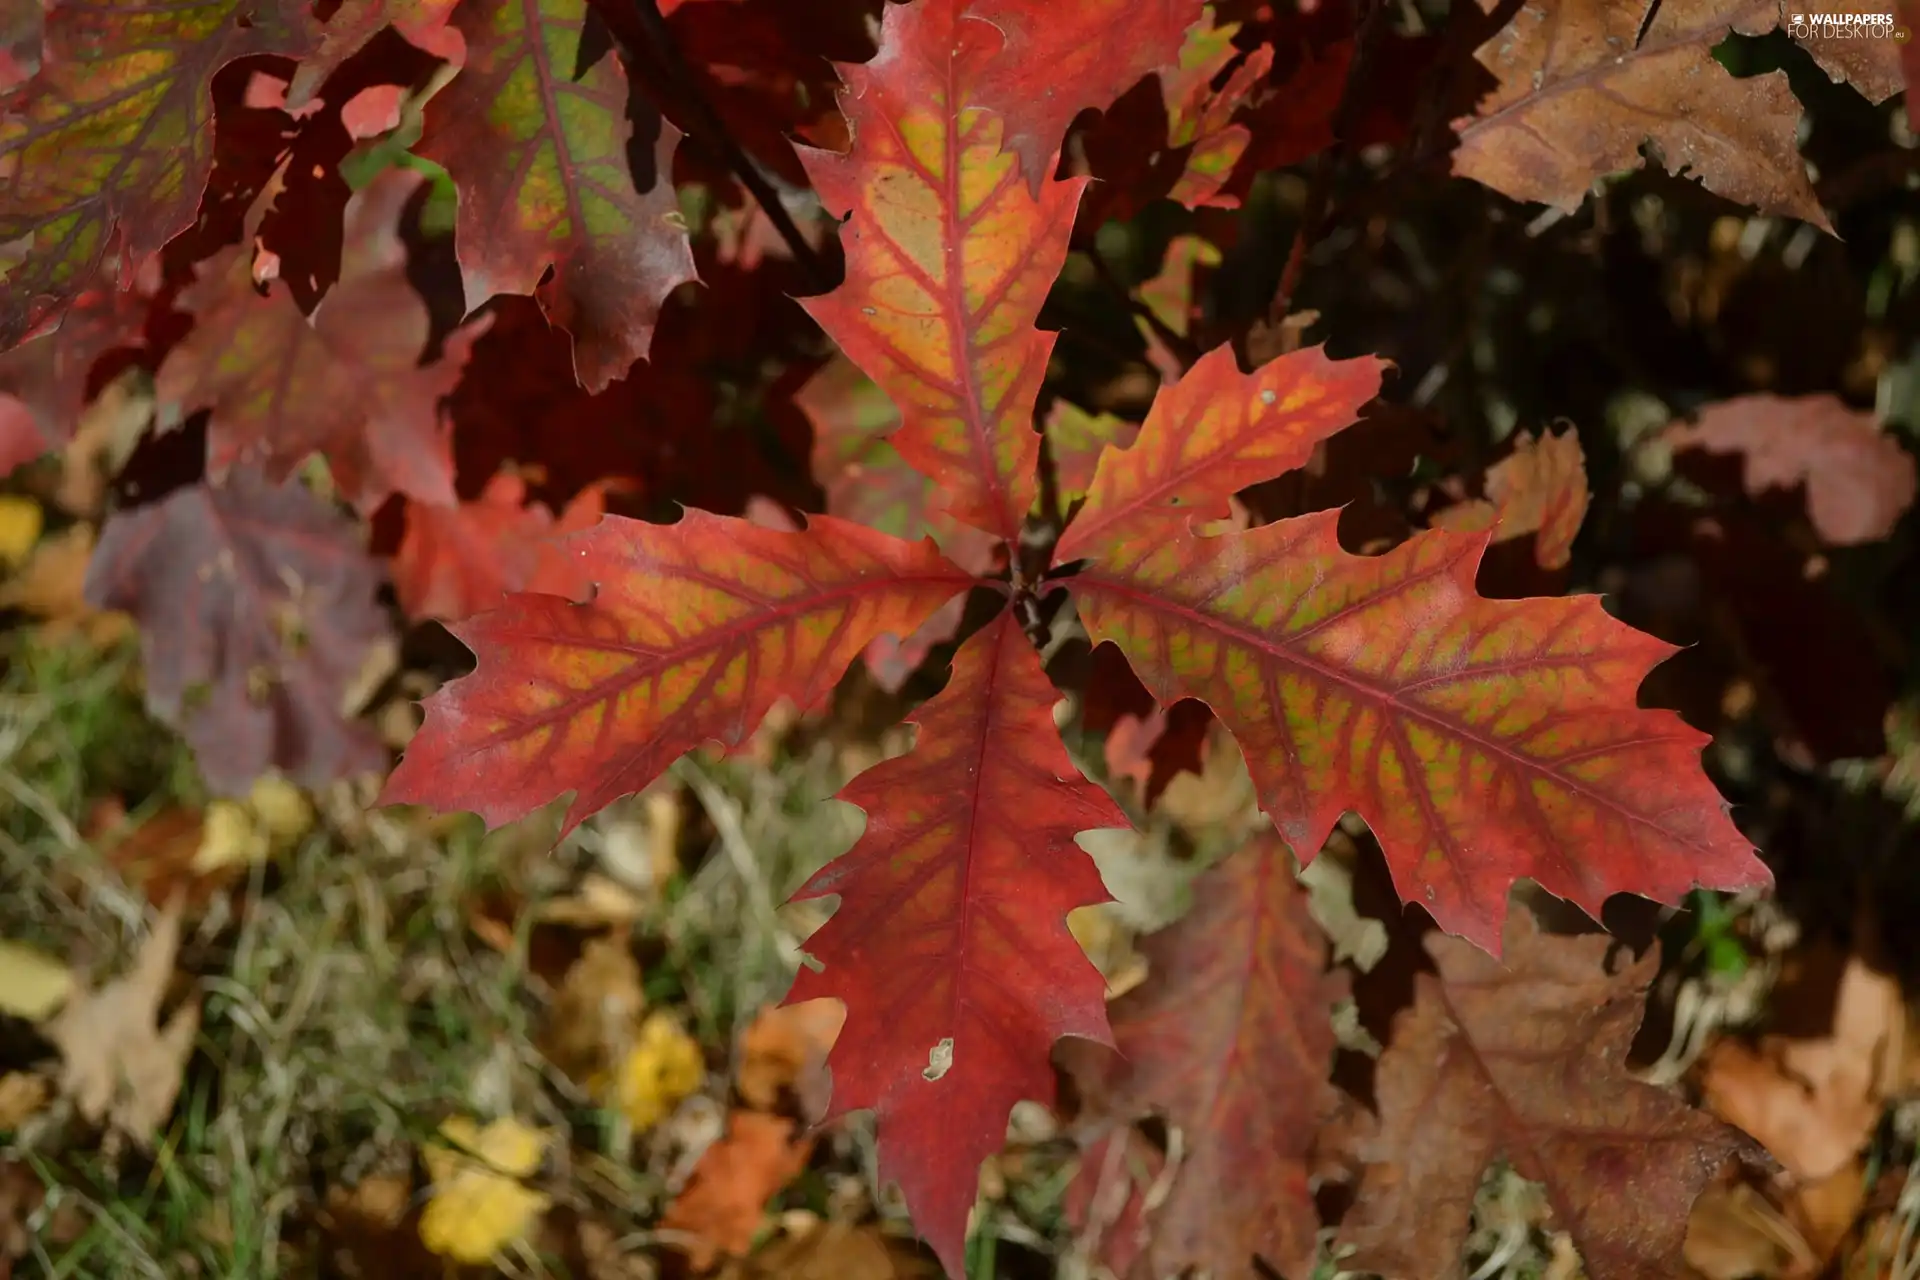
<point x="664" y="1067"/>
<point x="283" y="810"/>
<point x="32" y="984"/>
<point x="478" y="1206"/>
<point x="229" y="838"/>
<point x="20" y="523"/>
<point x="21" y="1095"/>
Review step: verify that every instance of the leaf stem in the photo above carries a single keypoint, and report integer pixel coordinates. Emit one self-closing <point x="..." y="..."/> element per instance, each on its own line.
<point x="712" y="131"/>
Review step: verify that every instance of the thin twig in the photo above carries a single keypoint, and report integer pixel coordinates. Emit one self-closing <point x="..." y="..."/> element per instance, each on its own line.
<point x="1313" y="215"/>
<point x="1182" y="346"/>
<point x="712" y="131"/>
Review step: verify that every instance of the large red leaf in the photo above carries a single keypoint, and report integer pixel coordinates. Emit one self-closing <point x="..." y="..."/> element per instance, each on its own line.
<point x="949" y="256"/>
<point x="1482" y="740"/>
<point x="275" y="378"/>
<point x="116" y="135"/>
<point x="257" y="613"/>
<point x="541" y="158"/>
<point x="697" y="629"/>
<point x="1215" y="432"/>
<point x="950" y="946"/>
<point x="1063" y="56"/>
<point x="1231" y="1039"/>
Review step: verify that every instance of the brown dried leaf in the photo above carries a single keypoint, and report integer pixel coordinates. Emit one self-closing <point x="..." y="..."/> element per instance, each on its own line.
<point x="837" y="1251"/>
<point x="1814" y="1101"/>
<point x="120" y="1066"/>
<point x="1528" y="1061"/>
<point x="1581" y="87"/>
<point x="1871" y="63"/>
<point x="1859" y="480"/>
<point x="1230" y="1040"/>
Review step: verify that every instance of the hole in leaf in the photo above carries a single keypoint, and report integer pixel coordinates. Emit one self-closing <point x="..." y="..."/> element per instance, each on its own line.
<point x="939" y="1059"/>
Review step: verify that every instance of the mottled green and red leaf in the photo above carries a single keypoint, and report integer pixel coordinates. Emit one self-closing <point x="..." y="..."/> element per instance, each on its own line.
<point x="1213" y="433"/>
<point x="541" y="159"/>
<point x="114" y="137"/>
<point x="949" y="257"/>
<point x="1483" y="741"/>
<point x="695" y="631"/>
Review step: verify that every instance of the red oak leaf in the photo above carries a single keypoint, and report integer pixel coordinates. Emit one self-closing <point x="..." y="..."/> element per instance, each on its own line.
<point x="113" y="140"/>
<point x="456" y="561"/>
<point x="274" y="378"/>
<point x="1539" y="488"/>
<point x="695" y="631"/>
<point x="949" y="258"/>
<point x="950" y="945"/>
<point x="1483" y="741"/>
<point x="1062" y="56"/>
<point x="1176" y="139"/>
<point x="1231" y="1039"/>
<point x="257" y="615"/>
<point x="1215" y="432"/>
<point x="541" y="159"/>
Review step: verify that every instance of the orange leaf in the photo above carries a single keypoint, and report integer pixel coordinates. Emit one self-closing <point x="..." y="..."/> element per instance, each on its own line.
<point x="726" y="1199"/>
<point x="1063" y="56"/>
<point x="1213" y="433"/>
<point x="1540" y="488"/>
<point x="1484" y="741"/>
<point x="949" y="256"/>
<point x="455" y="561"/>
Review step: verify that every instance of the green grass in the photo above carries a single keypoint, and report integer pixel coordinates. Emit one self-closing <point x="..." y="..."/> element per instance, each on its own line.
<point x="347" y="1005"/>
